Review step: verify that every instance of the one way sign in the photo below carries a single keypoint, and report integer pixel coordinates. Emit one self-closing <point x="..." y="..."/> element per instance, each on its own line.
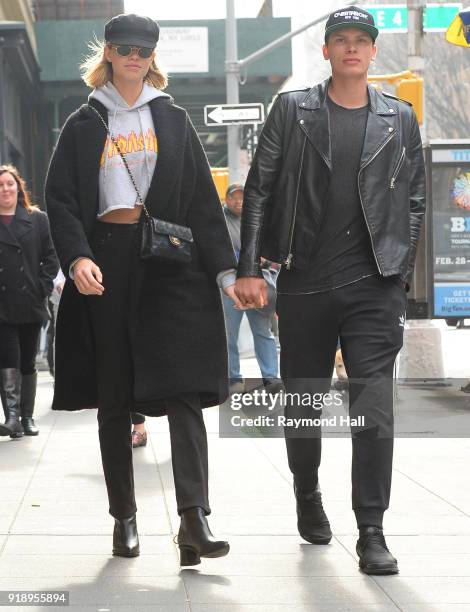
<point x="233" y="114"/>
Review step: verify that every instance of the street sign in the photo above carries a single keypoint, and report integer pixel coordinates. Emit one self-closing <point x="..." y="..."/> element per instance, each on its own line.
<point x="393" y="18"/>
<point x="437" y="18"/>
<point x="233" y="114"/>
<point x="458" y="33"/>
<point x="184" y="49"/>
<point x="390" y="18"/>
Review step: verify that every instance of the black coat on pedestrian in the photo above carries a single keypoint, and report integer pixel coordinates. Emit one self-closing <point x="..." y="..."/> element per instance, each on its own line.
<point x="178" y="338"/>
<point x="28" y="266"/>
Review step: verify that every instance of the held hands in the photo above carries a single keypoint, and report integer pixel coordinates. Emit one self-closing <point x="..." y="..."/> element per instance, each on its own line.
<point x="230" y="292"/>
<point x="238" y="305"/>
<point x="88" y="277"/>
<point x="252" y="292"/>
<point x="248" y="292"/>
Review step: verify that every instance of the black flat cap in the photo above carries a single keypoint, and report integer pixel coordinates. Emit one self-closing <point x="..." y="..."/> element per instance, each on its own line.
<point x="132" y="30"/>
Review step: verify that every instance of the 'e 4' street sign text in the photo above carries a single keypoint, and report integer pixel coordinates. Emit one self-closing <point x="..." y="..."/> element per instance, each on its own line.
<point x="393" y="18"/>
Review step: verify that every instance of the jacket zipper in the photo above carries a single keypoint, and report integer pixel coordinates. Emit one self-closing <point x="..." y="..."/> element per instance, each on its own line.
<point x="398" y="168"/>
<point x="360" y="195"/>
<point x="290" y="256"/>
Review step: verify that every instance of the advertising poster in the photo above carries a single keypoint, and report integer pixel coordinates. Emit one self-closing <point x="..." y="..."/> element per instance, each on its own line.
<point x="451" y="229"/>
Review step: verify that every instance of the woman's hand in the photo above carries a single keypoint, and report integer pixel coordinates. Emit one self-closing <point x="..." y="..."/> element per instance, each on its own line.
<point x="88" y="277"/>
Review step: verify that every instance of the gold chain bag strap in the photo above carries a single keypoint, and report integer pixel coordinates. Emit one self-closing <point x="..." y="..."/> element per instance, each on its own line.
<point x="161" y="240"/>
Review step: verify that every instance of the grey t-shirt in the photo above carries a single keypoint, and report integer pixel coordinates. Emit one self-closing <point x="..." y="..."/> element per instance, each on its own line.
<point x="344" y="251"/>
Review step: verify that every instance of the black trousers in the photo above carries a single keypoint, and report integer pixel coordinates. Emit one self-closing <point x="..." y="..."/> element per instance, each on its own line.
<point x="19" y="346"/>
<point x="368" y="317"/>
<point x="116" y="250"/>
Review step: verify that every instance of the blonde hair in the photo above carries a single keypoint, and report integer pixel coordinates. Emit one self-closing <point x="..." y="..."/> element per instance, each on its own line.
<point x="97" y="71"/>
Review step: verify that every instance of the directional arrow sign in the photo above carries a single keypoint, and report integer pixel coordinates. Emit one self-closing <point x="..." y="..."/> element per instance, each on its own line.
<point x="233" y="114"/>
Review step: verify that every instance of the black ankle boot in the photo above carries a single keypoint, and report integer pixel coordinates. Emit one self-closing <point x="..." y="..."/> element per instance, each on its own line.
<point x="374" y="556"/>
<point x="10" y="385"/>
<point x="28" y="397"/>
<point x="312" y="522"/>
<point x="125" y="537"/>
<point x="195" y="539"/>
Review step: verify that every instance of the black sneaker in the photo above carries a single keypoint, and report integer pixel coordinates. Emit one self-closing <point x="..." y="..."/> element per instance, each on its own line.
<point x="374" y="556"/>
<point x="237" y="386"/>
<point x="312" y="522"/>
<point x="273" y="385"/>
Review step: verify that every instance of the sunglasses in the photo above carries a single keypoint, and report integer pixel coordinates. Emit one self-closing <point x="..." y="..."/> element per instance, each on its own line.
<point x="125" y="50"/>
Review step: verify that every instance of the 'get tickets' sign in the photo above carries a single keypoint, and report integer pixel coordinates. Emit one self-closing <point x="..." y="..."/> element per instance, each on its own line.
<point x="452" y="300"/>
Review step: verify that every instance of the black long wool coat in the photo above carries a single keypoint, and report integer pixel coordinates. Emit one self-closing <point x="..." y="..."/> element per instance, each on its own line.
<point x="28" y="265"/>
<point x="179" y="342"/>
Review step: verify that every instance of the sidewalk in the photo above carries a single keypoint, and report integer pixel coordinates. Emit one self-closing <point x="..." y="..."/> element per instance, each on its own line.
<point x="55" y="531"/>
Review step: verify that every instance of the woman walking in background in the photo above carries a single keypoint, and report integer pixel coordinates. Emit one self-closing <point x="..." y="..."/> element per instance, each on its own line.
<point x="28" y="266"/>
<point x="137" y="335"/>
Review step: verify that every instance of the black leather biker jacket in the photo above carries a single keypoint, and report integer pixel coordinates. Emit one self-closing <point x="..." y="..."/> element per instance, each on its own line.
<point x="286" y="189"/>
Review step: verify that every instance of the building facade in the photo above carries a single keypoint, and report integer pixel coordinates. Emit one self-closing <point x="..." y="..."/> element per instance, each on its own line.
<point x="43" y="43"/>
<point x="21" y="128"/>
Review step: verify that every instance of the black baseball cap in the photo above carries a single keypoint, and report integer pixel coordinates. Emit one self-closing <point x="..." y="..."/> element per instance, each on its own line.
<point x="132" y="30"/>
<point x="351" y="17"/>
<point x="234" y="187"/>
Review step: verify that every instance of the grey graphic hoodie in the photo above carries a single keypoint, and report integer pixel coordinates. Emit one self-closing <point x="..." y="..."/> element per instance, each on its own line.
<point x="132" y="126"/>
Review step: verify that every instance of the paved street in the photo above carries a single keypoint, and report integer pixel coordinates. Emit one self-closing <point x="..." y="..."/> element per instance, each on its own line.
<point x="55" y="532"/>
<point x="149" y="149"/>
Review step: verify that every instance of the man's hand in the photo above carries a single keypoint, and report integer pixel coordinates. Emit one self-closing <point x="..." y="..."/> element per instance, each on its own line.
<point x="230" y="292"/>
<point x="88" y="277"/>
<point x="252" y="292"/>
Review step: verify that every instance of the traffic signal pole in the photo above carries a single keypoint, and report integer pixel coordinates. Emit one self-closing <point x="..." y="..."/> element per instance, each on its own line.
<point x="415" y="35"/>
<point x="421" y="358"/>
<point x="232" y="88"/>
<point x="415" y="46"/>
